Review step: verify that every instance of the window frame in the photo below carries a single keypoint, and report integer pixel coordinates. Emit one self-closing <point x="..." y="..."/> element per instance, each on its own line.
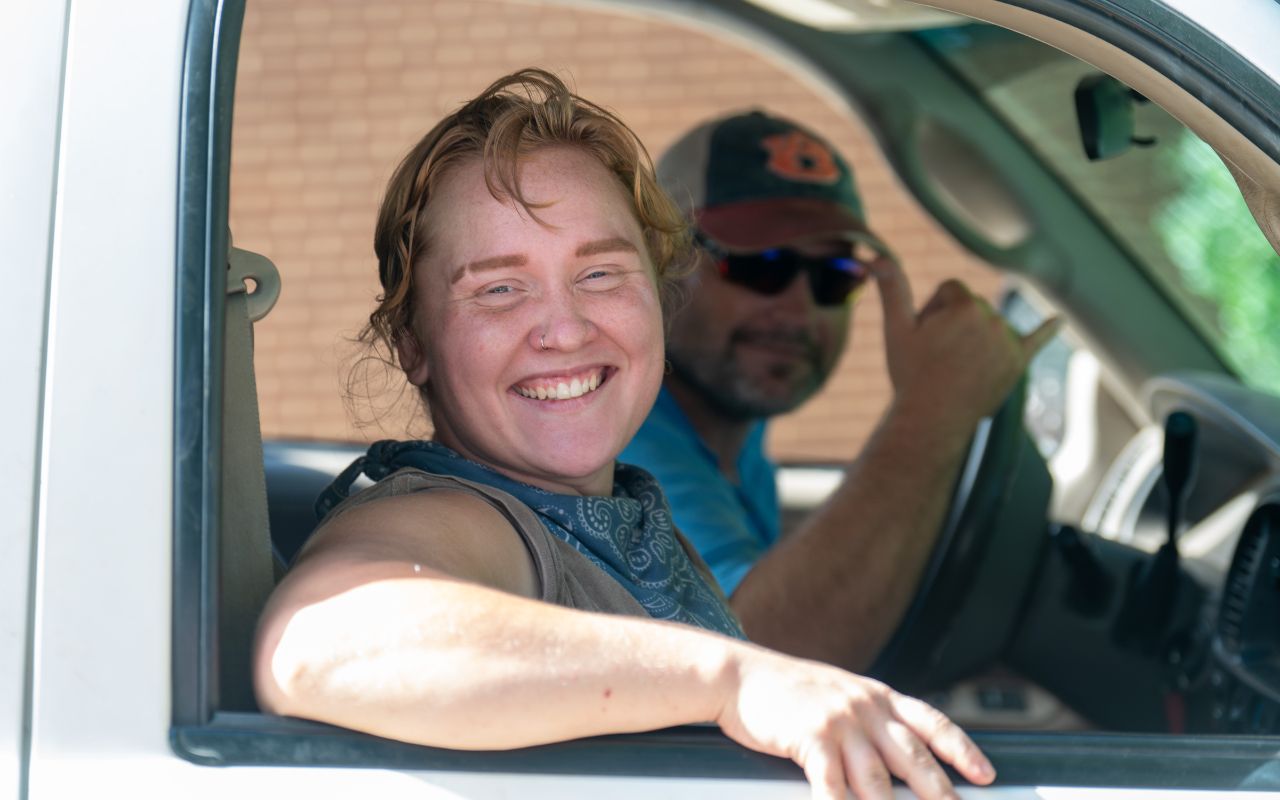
<point x="203" y="735"/>
<point x="204" y="152"/>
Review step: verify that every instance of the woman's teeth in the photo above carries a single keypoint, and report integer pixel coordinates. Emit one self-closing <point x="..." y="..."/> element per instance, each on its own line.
<point x="562" y="390"/>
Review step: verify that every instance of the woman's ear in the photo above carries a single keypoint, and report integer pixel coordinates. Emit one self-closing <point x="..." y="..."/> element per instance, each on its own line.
<point x="412" y="360"/>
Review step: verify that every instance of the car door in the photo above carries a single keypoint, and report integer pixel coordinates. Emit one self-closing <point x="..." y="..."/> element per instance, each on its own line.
<point x="1073" y="762"/>
<point x="31" y="38"/>
<point x="96" y="220"/>
<point x="1143" y="42"/>
<point x="123" y="693"/>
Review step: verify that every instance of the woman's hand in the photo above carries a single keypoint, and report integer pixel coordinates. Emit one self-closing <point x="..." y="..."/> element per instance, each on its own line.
<point x="845" y="730"/>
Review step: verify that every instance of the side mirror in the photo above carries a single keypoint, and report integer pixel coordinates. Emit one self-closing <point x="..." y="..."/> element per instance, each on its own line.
<point x="1104" y="109"/>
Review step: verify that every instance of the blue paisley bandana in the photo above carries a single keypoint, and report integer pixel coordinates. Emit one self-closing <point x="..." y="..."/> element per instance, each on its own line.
<point x="628" y="535"/>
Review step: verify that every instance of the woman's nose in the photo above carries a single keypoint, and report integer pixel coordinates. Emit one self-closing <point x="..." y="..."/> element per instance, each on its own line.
<point x="567" y="327"/>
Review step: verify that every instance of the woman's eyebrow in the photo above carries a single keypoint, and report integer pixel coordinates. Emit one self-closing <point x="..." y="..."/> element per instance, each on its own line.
<point x="496" y="262"/>
<point x="613" y="244"/>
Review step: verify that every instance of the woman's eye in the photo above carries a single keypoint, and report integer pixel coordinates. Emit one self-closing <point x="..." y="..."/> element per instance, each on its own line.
<point x="498" y="295"/>
<point x="603" y="278"/>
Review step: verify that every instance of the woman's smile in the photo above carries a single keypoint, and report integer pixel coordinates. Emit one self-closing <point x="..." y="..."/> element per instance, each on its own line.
<point x="566" y="386"/>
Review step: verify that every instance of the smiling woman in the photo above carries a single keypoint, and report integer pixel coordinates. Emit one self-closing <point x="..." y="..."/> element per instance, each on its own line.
<point x="552" y="311"/>
<point x="511" y="564"/>
<point x="534" y="307"/>
<point x="484" y="257"/>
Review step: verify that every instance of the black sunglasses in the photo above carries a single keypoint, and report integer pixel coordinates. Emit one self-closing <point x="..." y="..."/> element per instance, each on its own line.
<point x="832" y="279"/>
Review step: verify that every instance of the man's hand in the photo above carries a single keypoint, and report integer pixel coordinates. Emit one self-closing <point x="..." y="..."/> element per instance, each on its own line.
<point x="957" y="359"/>
<point x="837" y="588"/>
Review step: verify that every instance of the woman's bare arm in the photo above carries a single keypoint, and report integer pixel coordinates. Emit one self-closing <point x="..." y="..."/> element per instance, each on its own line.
<point x="432" y="637"/>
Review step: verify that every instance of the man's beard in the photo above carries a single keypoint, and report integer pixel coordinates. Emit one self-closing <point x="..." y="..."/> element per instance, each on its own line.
<point x="721" y="381"/>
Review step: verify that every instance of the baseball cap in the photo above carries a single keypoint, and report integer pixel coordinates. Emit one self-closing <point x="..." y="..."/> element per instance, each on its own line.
<point x="754" y="181"/>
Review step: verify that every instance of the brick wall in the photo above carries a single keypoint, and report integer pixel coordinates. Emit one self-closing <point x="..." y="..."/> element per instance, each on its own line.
<point x="331" y="93"/>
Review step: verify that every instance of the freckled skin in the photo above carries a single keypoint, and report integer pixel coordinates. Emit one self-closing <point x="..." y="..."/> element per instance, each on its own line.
<point x="557" y="313"/>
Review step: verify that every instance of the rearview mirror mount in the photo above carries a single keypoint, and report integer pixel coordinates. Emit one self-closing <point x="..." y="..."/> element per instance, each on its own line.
<point x="1104" y="109"/>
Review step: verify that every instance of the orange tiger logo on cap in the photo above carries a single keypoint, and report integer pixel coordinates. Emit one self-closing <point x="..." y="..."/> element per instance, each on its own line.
<point x="797" y="156"/>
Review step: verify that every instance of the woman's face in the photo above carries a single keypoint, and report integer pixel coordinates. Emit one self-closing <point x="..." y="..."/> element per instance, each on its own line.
<point x="542" y="346"/>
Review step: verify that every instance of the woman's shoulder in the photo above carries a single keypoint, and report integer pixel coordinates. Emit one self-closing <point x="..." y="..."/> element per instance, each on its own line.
<point x="409" y="499"/>
<point x="411" y="489"/>
<point x="406" y="481"/>
<point x="416" y="517"/>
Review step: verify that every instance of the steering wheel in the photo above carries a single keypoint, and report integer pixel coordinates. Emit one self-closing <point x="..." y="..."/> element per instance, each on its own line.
<point x="966" y="606"/>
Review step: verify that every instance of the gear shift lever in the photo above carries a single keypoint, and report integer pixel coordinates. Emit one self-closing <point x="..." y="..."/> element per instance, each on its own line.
<point x="1154" y="586"/>
<point x="1179" y="466"/>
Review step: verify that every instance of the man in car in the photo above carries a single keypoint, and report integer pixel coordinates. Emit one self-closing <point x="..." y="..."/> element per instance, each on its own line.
<point x="783" y="251"/>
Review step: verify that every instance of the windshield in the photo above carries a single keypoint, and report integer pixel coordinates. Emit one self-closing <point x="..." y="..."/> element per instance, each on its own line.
<point x="1169" y="199"/>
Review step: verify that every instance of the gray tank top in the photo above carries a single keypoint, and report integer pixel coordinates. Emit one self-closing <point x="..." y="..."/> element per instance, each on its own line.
<point x="567" y="578"/>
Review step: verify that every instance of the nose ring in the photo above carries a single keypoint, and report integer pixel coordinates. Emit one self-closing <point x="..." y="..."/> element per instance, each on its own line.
<point x="542" y="341"/>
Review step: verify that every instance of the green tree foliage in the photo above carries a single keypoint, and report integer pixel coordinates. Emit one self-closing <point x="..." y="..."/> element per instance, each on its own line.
<point x="1222" y="257"/>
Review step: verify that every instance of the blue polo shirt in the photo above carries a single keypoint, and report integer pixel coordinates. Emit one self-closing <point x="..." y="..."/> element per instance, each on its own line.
<point x="731" y="525"/>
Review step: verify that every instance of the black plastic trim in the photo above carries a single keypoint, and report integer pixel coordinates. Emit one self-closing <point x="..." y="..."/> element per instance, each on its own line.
<point x="1183" y="52"/>
<point x="693" y="751"/>
<point x="1022" y="759"/>
<point x="204" y="174"/>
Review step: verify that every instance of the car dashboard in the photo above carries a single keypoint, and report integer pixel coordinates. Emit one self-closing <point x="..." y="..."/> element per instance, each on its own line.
<point x="1210" y="662"/>
<point x="1232" y="545"/>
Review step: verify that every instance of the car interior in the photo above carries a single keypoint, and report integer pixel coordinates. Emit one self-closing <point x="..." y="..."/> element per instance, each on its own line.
<point x="1107" y="563"/>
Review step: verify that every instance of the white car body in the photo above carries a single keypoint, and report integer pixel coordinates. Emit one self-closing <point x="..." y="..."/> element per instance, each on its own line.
<point x="92" y="104"/>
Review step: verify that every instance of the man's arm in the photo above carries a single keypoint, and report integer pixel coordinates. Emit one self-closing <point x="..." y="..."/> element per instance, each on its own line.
<point x="836" y="589"/>
<point x="425" y="637"/>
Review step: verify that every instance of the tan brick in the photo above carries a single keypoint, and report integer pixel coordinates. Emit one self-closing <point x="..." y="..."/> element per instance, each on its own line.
<point x="383" y="12"/>
<point x="450" y="9"/>
<point x="317" y="60"/>
<point x="524" y="53"/>
<point x="320" y="199"/>
<point x="311" y="15"/>
<point x="453" y="54"/>
<point x="348" y="82"/>
<point x="557" y="26"/>
<point x="487" y="30"/>
<point x="348" y="37"/>
<point x="384" y="58"/>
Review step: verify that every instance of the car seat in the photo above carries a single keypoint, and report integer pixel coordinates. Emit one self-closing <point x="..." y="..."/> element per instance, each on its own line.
<point x="297" y="472"/>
